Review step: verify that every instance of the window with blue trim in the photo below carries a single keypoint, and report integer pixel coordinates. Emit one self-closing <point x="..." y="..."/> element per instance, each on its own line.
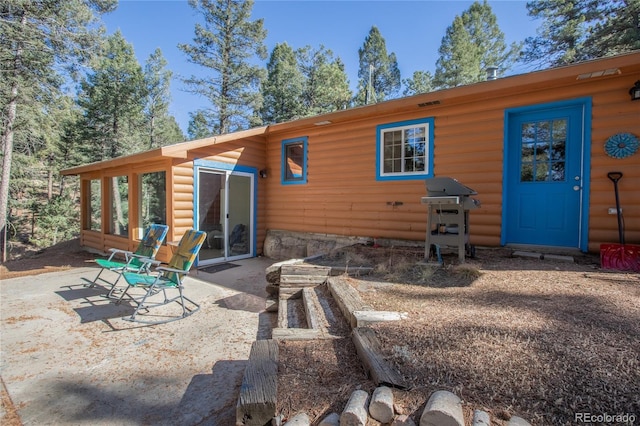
<point x="294" y="161"/>
<point x="405" y="149"/>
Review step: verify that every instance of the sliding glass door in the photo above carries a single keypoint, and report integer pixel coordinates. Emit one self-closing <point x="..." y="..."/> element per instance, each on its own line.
<point x="225" y="213"/>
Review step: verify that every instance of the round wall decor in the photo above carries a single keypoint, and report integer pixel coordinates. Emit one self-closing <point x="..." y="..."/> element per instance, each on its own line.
<point x="621" y="145"/>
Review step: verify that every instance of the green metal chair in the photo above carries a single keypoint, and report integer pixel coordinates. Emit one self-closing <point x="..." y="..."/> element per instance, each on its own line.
<point x="139" y="261"/>
<point x="170" y="277"/>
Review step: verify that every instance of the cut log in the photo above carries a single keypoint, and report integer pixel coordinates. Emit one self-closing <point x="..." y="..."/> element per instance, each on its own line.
<point x="295" y="334"/>
<point x="355" y="413"/>
<point x="332" y="419"/>
<point x="381" y="405"/>
<point x="283" y="313"/>
<point x="443" y="409"/>
<point x="310" y="309"/>
<point x="370" y="353"/>
<point x="305" y="269"/>
<point x="302" y="280"/>
<point x="258" y="392"/>
<point x="347" y="298"/>
<point x="365" y="318"/>
<point x="300" y="419"/>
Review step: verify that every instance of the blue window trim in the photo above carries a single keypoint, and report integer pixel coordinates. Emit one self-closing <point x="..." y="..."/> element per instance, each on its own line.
<point x="405" y="176"/>
<point x="218" y="165"/>
<point x="585" y="103"/>
<point x="283" y="168"/>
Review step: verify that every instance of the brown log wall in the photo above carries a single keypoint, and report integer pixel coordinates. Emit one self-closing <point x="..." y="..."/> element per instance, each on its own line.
<point x="343" y="197"/>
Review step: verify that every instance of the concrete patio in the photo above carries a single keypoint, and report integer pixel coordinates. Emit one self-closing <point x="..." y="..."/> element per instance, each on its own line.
<point x="68" y="357"/>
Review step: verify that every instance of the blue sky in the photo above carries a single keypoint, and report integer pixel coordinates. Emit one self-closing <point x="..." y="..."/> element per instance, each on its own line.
<point x="412" y="30"/>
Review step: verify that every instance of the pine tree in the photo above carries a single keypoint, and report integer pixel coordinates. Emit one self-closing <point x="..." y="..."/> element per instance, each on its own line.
<point x="161" y="127"/>
<point x="578" y="30"/>
<point x="472" y="44"/>
<point x="226" y="45"/>
<point x="421" y="82"/>
<point x="199" y="126"/>
<point x="33" y="37"/>
<point x="326" y="82"/>
<point x="378" y="75"/>
<point x="283" y="88"/>
<point x="113" y="97"/>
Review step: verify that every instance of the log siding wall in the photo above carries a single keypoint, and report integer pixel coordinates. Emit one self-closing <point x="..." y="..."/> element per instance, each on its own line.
<point x="343" y="197"/>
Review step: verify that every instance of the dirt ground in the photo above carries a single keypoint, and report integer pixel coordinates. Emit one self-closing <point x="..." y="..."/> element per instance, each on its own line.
<point x="540" y="339"/>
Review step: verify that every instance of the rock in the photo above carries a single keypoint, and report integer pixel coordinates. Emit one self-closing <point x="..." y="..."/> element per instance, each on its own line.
<point x="381" y="405"/>
<point x="442" y="409"/>
<point x="403" y="420"/>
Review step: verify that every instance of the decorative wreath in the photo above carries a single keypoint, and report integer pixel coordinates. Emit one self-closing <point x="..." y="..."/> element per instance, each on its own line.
<point x="621" y="145"/>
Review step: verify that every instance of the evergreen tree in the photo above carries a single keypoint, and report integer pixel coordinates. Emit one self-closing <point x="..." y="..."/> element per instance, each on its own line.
<point x="378" y="75"/>
<point x="226" y="45"/>
<point x="472" y="44"/>
<point x="326" y="82"/>
<point x="421" y="82"/>
<point x="161" y="127"/>
<point x="113" y="97"/>
<point x="199" y="127"/>
<point x="579" y="30"/>
<point x="35" y="36"/>
<point x="618" y="32"/>
<point x="283" y="88"/>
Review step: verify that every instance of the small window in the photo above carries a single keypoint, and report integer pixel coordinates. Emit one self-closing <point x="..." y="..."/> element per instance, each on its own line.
<point x="405" y="150"/>
<point x="294" y="161"/>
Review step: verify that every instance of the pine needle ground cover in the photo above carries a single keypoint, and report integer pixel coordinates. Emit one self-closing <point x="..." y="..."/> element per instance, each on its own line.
<point x="543" y="340"/>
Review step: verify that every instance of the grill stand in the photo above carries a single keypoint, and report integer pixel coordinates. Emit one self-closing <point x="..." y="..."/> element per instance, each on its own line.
<point x="442" y="217"/>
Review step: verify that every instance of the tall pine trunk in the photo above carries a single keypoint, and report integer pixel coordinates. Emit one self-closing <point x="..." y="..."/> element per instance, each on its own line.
<point x="7" y="143"/>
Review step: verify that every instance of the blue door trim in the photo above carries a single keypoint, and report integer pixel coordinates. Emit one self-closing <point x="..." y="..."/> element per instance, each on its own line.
<point x="585" y="158"/>
<point x="218" y="165"/>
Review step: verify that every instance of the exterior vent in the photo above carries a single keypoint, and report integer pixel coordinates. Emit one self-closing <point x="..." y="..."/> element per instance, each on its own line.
<point x="424" y="104"/>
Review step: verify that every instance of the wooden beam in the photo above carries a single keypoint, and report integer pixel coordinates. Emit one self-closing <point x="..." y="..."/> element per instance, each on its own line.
<point x="257" y="401"/>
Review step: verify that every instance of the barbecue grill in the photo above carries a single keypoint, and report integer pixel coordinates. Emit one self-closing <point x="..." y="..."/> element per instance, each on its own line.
<point x="449" y="203"/>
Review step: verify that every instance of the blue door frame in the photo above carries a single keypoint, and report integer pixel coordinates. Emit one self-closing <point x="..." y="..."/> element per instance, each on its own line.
<point x="546" y="174"/>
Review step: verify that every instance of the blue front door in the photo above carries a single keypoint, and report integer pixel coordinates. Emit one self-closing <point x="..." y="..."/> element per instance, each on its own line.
<point x="545" y="184"/>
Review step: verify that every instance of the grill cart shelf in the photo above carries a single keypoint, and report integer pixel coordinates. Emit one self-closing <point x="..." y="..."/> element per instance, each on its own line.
<point x="448" y="203"/>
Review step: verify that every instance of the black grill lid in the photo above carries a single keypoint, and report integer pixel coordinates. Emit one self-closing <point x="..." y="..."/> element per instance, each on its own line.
<point x="446" y="186"/>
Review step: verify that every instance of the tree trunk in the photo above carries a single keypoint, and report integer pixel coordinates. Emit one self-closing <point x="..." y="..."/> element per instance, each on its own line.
<point x="7" y="143"/>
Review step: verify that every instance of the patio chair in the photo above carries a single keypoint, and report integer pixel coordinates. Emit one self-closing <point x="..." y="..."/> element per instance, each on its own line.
<point x="166" y="278"/>
<point x="139" y="261"/>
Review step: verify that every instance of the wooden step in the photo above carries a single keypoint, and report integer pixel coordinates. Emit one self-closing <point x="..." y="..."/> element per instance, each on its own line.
<point x="348" y="299"/>
<point x="303" y="275"/>
<point x="370" y="353"/>
<point x="258" y="392"/>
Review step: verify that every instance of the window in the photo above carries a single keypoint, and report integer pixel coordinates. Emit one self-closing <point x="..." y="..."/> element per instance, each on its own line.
<point x="543" y="152"/>
<point x="294" y="161"/>
<point x="93" y="218"/>
<point x="153" y="200"/>
<point x="120" y="205"/>
<point x="405" y="150"/>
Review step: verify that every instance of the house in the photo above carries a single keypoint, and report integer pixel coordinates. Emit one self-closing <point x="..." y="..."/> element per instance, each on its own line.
<point x="536" y="147"/>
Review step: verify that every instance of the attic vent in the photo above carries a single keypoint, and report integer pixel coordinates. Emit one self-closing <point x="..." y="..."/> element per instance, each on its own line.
<point x="424" y="104"/>
<point x="601" y="73"/>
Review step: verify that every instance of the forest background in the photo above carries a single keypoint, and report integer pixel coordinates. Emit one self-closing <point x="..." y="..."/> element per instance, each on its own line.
<point x="71" y="94"/>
